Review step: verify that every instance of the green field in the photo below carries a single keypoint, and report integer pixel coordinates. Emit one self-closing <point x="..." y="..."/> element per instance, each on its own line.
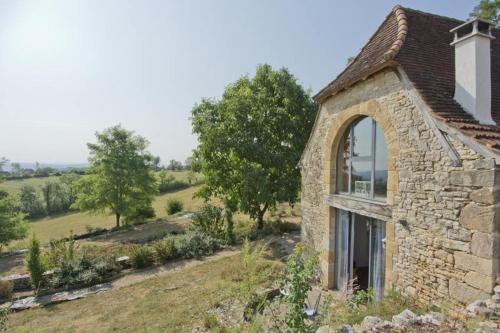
<point x="13" y="186"/>
<point x="61" y="226"/>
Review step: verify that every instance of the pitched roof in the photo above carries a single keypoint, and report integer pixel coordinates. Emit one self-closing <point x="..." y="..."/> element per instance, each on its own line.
<point x="420" y="43"/>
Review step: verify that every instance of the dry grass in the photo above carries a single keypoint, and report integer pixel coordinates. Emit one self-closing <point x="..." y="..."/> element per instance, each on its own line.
<point x="171" y="303"/>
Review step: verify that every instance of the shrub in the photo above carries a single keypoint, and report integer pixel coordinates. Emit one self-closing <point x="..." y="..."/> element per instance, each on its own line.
<point x="209" y="220"/>
<point x="174" y="206"/>
<point x="297" y="279"/>
<point x="142" y="256"/>
<point x="140" y="215"/>
<point x="168" y="183"/>
<point x="6" y="288"/>
<point x="165" y="249"/>
<point x="61" y="251"/>
<point x="34" y="262"/>
<point x="4" y="312"/>
<point x="196" y="245"/>
<point x="83" y="270"/>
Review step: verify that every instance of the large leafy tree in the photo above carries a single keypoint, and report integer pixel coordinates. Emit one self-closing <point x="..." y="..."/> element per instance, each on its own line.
<point x="119" y="178"/>
<point x="12" y="224"/>
<point x="251" y="140"/>
<point x="488" y="10"/>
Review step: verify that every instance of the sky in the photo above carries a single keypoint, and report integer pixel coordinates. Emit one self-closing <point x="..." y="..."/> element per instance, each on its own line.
<point x="69" y="68"/>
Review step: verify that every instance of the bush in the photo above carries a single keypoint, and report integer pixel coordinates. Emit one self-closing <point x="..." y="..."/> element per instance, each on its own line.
<point x="61" y="251"/>
<point x="165" y="249"/>
<point x="6" y="288"/>
<point x="83" y="270"/>
<point x="140" y="215"/>
<point x="209" y="220"/>
<point x="142" y="256"/>
<point x="174" y="206"/>
<point x="196" y="245"/>
<point x="34" y="262"/>
<point x="4" y="312"/>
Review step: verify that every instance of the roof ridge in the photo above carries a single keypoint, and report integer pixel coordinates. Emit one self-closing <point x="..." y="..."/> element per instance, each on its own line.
<point x="432" y="14"/>
<point x="400" y="14"/>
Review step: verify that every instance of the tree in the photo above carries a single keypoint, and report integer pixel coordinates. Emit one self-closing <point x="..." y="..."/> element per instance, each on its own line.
<point x="16" y="168"/>
<point x="119" y="177"/>
<point x="156" y="163"/>
<point x="249" y="142"/>
<point x="12" y="224"/>
<point x="35" y="264"/>
<point x="30" y="202"/>
<point x="488" y="10"/>
<point x="188" y="162"/>
<point x="174" y="165"/>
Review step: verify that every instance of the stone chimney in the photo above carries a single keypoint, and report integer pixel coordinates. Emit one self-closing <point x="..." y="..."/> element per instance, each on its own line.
<point x="473" y="68"/>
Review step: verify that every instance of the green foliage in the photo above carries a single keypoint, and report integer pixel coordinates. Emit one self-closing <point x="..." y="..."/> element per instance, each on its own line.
<point x="142" y="256"/>
<point x="12" y="224"/>
<point x="196" y="245"/>
<point x="210" y="220"/>
<point x="299" y="274"/>
<point x="4" y="313"/>
<point x="120" y="177"/>
<point x="168" y="183"/>
<point x="30" y="202"/>
<point x="359" y="298"/>
<point x="165" y="249"/>
<point x="83" y="270"/>
<point x="173" y="206"/>
<point x="488" y="10"/>
<point x="61" y="251"/>
<point x="35" y="263"/>
<point x="6" y="289"/>
<point x="56" y="197"/>
<point x="251" y="141"/>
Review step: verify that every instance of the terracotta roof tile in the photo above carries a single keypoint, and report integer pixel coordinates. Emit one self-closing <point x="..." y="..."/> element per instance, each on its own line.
<point x="420" y="43"/>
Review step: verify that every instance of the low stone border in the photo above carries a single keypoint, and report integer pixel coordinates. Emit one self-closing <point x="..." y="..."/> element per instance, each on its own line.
<point x="12" y="253"/>
<point x="37" y="301"/>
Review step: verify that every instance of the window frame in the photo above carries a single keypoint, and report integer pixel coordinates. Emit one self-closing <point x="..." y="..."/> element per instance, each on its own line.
<point x="371" y="159"/>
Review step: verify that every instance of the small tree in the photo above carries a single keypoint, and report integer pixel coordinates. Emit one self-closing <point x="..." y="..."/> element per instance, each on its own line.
<point x="297" y="281"/>
<point x="488" y="10"/>
<point x="119" y="177"/>
<point x="34" y="262"/>
<point x="250" y="142"/>
<point x="12" y="224"/>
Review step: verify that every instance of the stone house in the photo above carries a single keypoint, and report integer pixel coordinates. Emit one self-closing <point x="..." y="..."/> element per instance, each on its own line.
<point x="400" y="176"/>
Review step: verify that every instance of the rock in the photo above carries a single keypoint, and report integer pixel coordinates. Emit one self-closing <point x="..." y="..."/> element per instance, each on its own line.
<point x="346" y="329"/>
<point x="474" y="307"/>
<point x="469" y="262"/>
<point x="20" y="281"/>
<point x="497" y="290"/>
<point x="405" y="318"/>
<point x="123" y="261"/>
<point x="479" y="281"/>
<point x="476" y="217"/>
<point x="482" y="245"/>
<point x="434" y="318"/>
<point x="384" y="326"/>
<point x="34" y="302"/>
<point x="369" y="322"/>
<point x="483" y="195"/>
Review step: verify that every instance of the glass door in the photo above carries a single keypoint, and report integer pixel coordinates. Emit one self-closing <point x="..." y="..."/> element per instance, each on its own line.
<point x="343" y="258"/>
<point x="359" y="253"/>
<point x="377" y="258"/>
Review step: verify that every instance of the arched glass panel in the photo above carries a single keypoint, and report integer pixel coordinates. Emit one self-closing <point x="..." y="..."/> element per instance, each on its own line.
<point x="362" y="161"/>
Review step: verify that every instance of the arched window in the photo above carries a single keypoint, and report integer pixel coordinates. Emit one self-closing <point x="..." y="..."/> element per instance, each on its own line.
<point x="362" y="161"/>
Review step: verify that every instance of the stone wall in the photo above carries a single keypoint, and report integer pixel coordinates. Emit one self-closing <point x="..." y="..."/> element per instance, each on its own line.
<point x="447" y="248"/>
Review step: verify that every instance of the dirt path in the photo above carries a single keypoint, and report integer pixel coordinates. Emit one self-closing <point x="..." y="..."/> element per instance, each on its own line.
<point x="148" y="273"/>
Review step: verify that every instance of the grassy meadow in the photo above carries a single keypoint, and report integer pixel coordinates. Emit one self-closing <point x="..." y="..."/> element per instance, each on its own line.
<point x="13" y="186"/>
